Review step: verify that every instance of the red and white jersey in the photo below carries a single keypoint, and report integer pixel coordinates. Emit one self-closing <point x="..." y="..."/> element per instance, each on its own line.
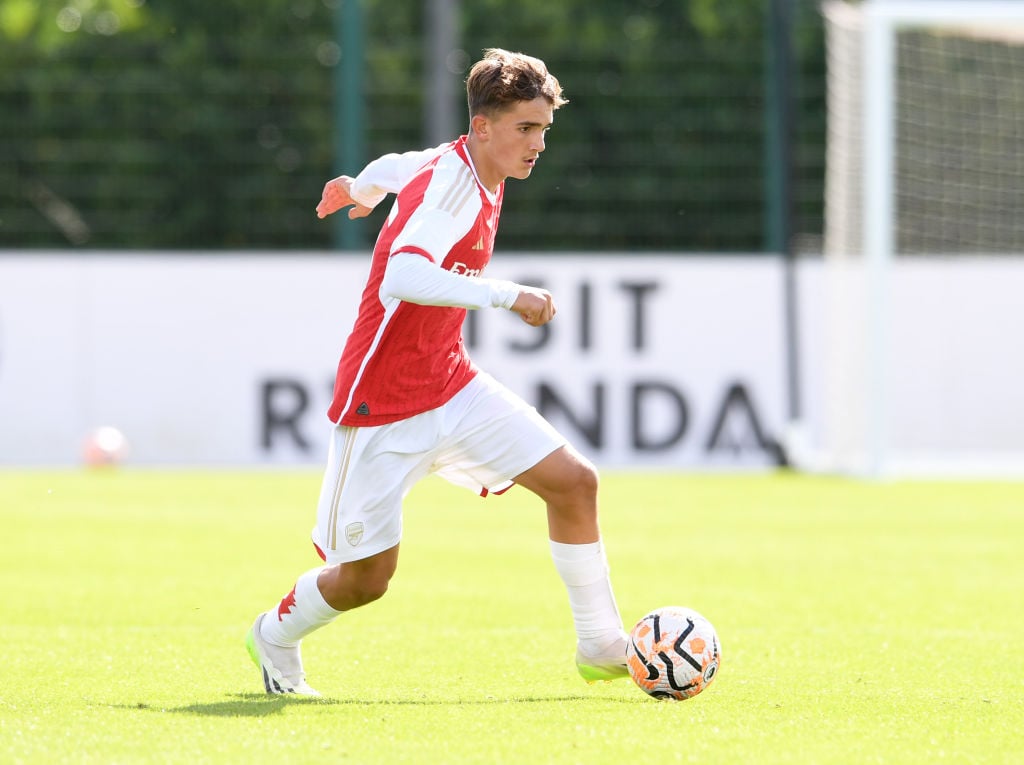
<point x="402" y="358"/>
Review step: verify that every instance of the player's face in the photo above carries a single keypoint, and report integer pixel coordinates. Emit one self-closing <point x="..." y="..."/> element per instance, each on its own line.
<point x="512" y="141"/>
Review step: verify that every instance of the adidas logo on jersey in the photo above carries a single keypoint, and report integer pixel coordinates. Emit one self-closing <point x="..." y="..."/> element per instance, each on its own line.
<point x="479" y="244"/>
<point x="363" y="409"/>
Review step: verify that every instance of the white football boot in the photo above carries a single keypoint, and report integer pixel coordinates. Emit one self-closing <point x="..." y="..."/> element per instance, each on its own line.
<point x="608" y="664"/>
<point x="281" y="667"/>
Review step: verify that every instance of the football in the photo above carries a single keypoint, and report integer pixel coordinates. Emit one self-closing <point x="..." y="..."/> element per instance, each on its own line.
<point x="104" y="447"/>
<point x="673" y="653"/>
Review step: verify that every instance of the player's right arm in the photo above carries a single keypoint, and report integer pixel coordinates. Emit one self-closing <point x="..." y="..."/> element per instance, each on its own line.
<point x="385" y="175"/>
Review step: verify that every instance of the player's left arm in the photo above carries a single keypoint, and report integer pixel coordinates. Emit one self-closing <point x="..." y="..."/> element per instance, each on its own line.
<point x="414" y="272"/>
<point x="416" y="279"/>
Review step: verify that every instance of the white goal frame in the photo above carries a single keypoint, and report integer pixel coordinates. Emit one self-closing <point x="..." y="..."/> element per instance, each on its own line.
<point x="881" y="21"/>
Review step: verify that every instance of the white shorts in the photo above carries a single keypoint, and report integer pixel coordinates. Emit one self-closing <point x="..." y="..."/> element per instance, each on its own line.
<point x="481" y="439"/>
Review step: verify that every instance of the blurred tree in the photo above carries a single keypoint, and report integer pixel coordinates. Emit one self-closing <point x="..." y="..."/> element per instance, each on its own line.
<point x="660" y="147"/>
<point x="196" y="124"/>
<point x="191" y="124"/>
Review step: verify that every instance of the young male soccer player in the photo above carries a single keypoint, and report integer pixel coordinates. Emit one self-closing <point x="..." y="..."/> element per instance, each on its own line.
<point x="408" y="401"/>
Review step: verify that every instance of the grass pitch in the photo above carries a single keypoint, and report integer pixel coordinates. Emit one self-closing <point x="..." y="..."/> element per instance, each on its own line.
<point x="860" y="623"/>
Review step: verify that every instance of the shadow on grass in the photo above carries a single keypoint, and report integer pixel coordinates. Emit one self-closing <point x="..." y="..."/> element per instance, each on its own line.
<point x="243" y="705"/>
<point x="262" y="705"/>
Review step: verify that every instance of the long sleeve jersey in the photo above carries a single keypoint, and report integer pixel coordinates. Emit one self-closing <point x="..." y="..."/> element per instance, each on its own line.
<point x="405" y="354"/>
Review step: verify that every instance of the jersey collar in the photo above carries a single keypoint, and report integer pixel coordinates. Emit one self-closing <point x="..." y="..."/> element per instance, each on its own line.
<point x="463" y="152"/>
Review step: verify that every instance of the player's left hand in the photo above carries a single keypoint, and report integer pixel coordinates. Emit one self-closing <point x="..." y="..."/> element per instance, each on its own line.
<point x="534" y="306"/>
<point x="338" y="194"/>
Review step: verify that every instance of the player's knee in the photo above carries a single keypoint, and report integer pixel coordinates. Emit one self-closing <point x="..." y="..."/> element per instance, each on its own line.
<point x="345" y="588"/>
<point x="565" y="478"/>
<point x="584" y="479"/>
<point x="577" y="492"/>
<point x="369" y="589"/>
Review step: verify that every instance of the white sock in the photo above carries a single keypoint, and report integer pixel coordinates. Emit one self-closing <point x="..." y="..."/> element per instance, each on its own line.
<point x="300" y="612"/>
<point x="584" y="570"/>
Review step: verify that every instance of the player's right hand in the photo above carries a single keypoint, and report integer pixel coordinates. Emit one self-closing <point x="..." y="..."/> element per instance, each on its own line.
<point x="534" y="306"/>
<point x="338" y="194"/>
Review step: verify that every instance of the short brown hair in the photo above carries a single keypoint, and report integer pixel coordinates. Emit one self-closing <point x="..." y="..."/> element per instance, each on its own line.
<point x="501" y="79"/>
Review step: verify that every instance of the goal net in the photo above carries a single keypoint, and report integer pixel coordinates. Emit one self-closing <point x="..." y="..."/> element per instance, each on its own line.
<point x="924" y="238"/>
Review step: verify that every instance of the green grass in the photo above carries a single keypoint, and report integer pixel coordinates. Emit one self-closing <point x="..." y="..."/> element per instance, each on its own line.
<point x="860" y="623"/>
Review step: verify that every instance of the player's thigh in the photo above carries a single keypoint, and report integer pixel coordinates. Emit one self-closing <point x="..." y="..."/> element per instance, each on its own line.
<point x="492" y="435"/>
<point x="369" y="471"/>
<point x="565" y="475"/>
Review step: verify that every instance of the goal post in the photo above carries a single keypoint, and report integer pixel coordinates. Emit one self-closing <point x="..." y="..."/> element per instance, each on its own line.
<point x="924" y="190"/>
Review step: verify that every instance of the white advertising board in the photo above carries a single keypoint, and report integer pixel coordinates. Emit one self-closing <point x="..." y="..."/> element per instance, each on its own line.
<point x="228" y="359"/>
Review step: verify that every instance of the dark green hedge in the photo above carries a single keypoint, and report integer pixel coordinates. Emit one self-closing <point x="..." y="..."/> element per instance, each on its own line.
<point x="209" y="124"/>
